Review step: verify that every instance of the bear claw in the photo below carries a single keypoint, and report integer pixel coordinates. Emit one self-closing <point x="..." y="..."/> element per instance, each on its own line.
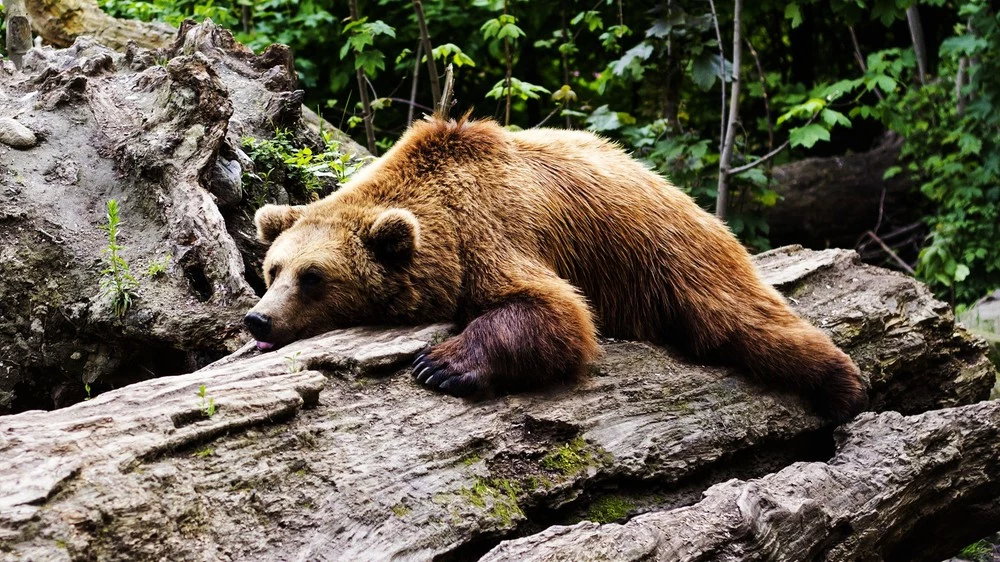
<point x="441" y="376"/>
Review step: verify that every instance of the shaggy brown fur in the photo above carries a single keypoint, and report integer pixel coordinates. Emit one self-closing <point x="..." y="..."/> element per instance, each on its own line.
<point x="528" y="239"/>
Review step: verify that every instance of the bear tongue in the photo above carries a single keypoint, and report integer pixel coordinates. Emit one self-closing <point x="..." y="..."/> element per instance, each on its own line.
<point x="264" y="346"/>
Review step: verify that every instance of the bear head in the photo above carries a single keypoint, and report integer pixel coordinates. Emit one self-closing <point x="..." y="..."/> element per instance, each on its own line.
<point x="332" y="266"/>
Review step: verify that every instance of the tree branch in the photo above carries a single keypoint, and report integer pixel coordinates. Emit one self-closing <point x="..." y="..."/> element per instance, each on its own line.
<point x="722" y="63"/>
<point x="449" y="87"/>
<point x="413" y="87"/>
<point x="895" y="257"/>
<point x="759" y="161"/>
<point x="366" y="106"/>
<point x="861" y="59"/>
<point x="722" y="201"/>
<point x="425" y="38"/>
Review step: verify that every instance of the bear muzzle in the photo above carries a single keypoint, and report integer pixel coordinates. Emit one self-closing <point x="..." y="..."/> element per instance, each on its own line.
<point x="259" y="326"/>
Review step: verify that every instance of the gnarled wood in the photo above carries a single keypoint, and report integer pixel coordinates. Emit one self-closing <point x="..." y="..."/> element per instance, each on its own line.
<point x="160" y="131"/>
<point x="379" y="468"/>
<point x="915" y="488"/>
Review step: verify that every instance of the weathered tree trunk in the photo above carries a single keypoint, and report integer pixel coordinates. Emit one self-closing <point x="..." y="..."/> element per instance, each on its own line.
<point x="327" y="450"/>
<point x="913" y="489"/>
<point x="160" y="131"/>
<point x="833" y="201"/>
<point x="60" y="22"/>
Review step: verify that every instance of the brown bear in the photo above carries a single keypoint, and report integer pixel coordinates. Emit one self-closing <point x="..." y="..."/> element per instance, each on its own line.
<point x="532" y="241"/>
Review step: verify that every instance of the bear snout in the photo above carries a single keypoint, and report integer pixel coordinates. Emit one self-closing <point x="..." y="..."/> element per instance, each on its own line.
<point x="258" y="324"/>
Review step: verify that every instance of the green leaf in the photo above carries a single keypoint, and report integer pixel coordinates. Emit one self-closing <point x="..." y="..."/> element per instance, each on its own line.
<point x="808" y="135"/>
<point x="568" y="49"/>
<point x="370" y="62"/>
<point x="793" y="13"/>
<point x="603" y="119"/>
<point x="632" y="60"/>
<point x="886" y="83"/>
<point x="379" y="27"/>
<point x="452" y="50"/>
<point x="964" y="45"/>
<point x="833" y="118"/>
<point x="838" y="89"/>
<point x="961" y="272"/>
<point x="704" y="70"/>
<point x="969" y="144"/>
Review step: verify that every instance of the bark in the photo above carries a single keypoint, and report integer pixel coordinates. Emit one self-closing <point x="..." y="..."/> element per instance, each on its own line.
<point x="18" y="31"/>
<point x="917" y="36"/>
<point x="60" y="22"/>
<point x="833" y="201"/>
<point x="425" y="41"/>
<point x="899" y="488"/>
<point x="729" y="141"/>
<point x="327" y="450"/>
<point x="161" y="132"/>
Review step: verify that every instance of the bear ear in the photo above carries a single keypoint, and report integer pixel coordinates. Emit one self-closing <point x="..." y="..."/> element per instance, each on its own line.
<point x="272" y="220"/>
<point x="395" y="234"/>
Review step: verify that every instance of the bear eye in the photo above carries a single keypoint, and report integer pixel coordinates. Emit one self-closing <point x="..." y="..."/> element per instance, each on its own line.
<point x="310" y="278"/>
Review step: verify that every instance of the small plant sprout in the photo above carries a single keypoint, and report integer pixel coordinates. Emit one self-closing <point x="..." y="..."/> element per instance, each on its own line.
<point x="117" y="281"/>
<point x="207" y="403"/>
<point x="293" y="362"/>
<point x="158" y="267"/>
<point x="86" y="387"/>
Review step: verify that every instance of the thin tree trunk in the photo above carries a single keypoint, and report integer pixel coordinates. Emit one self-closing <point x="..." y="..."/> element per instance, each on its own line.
<point x="722" y="202"/>
<point x="506" y="54"/>
<point x="565" y="63"/>
<point x="917" y="34"/>
<point x="722" y="73"/>
<point x="366" y="106"/>
<point x="413" y="88"/>
<point x="963" y="63"/>
<point x="425" y="39"/>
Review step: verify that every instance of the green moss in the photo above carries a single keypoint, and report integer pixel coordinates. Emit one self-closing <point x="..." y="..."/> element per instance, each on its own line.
<point x="206" y="452"/>
<point x="498" y="496"/>
<point x="570" y="458"/>
<point x="471" y="459"/>
<point x="609" y="509"/>
<point x="400" y="510"/>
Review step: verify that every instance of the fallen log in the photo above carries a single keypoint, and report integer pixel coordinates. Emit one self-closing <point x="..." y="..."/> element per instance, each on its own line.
<point x="60" y="22"/>
<point x="327" y="450"/>
<point x="916" y="488"/>
<point x="832" y="201"/>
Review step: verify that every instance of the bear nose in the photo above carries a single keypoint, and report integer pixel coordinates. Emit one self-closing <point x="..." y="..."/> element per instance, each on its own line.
<point x="258" y="324"/>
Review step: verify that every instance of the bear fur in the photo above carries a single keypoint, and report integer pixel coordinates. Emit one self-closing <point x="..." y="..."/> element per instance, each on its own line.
<point x="533" y="241"/>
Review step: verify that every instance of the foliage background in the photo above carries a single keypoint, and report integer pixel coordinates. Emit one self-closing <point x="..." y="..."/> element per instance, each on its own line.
<point x="825" y="77"/>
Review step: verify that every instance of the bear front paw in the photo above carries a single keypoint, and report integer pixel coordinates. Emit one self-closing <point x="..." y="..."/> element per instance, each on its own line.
<point x="441" y="374"/>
